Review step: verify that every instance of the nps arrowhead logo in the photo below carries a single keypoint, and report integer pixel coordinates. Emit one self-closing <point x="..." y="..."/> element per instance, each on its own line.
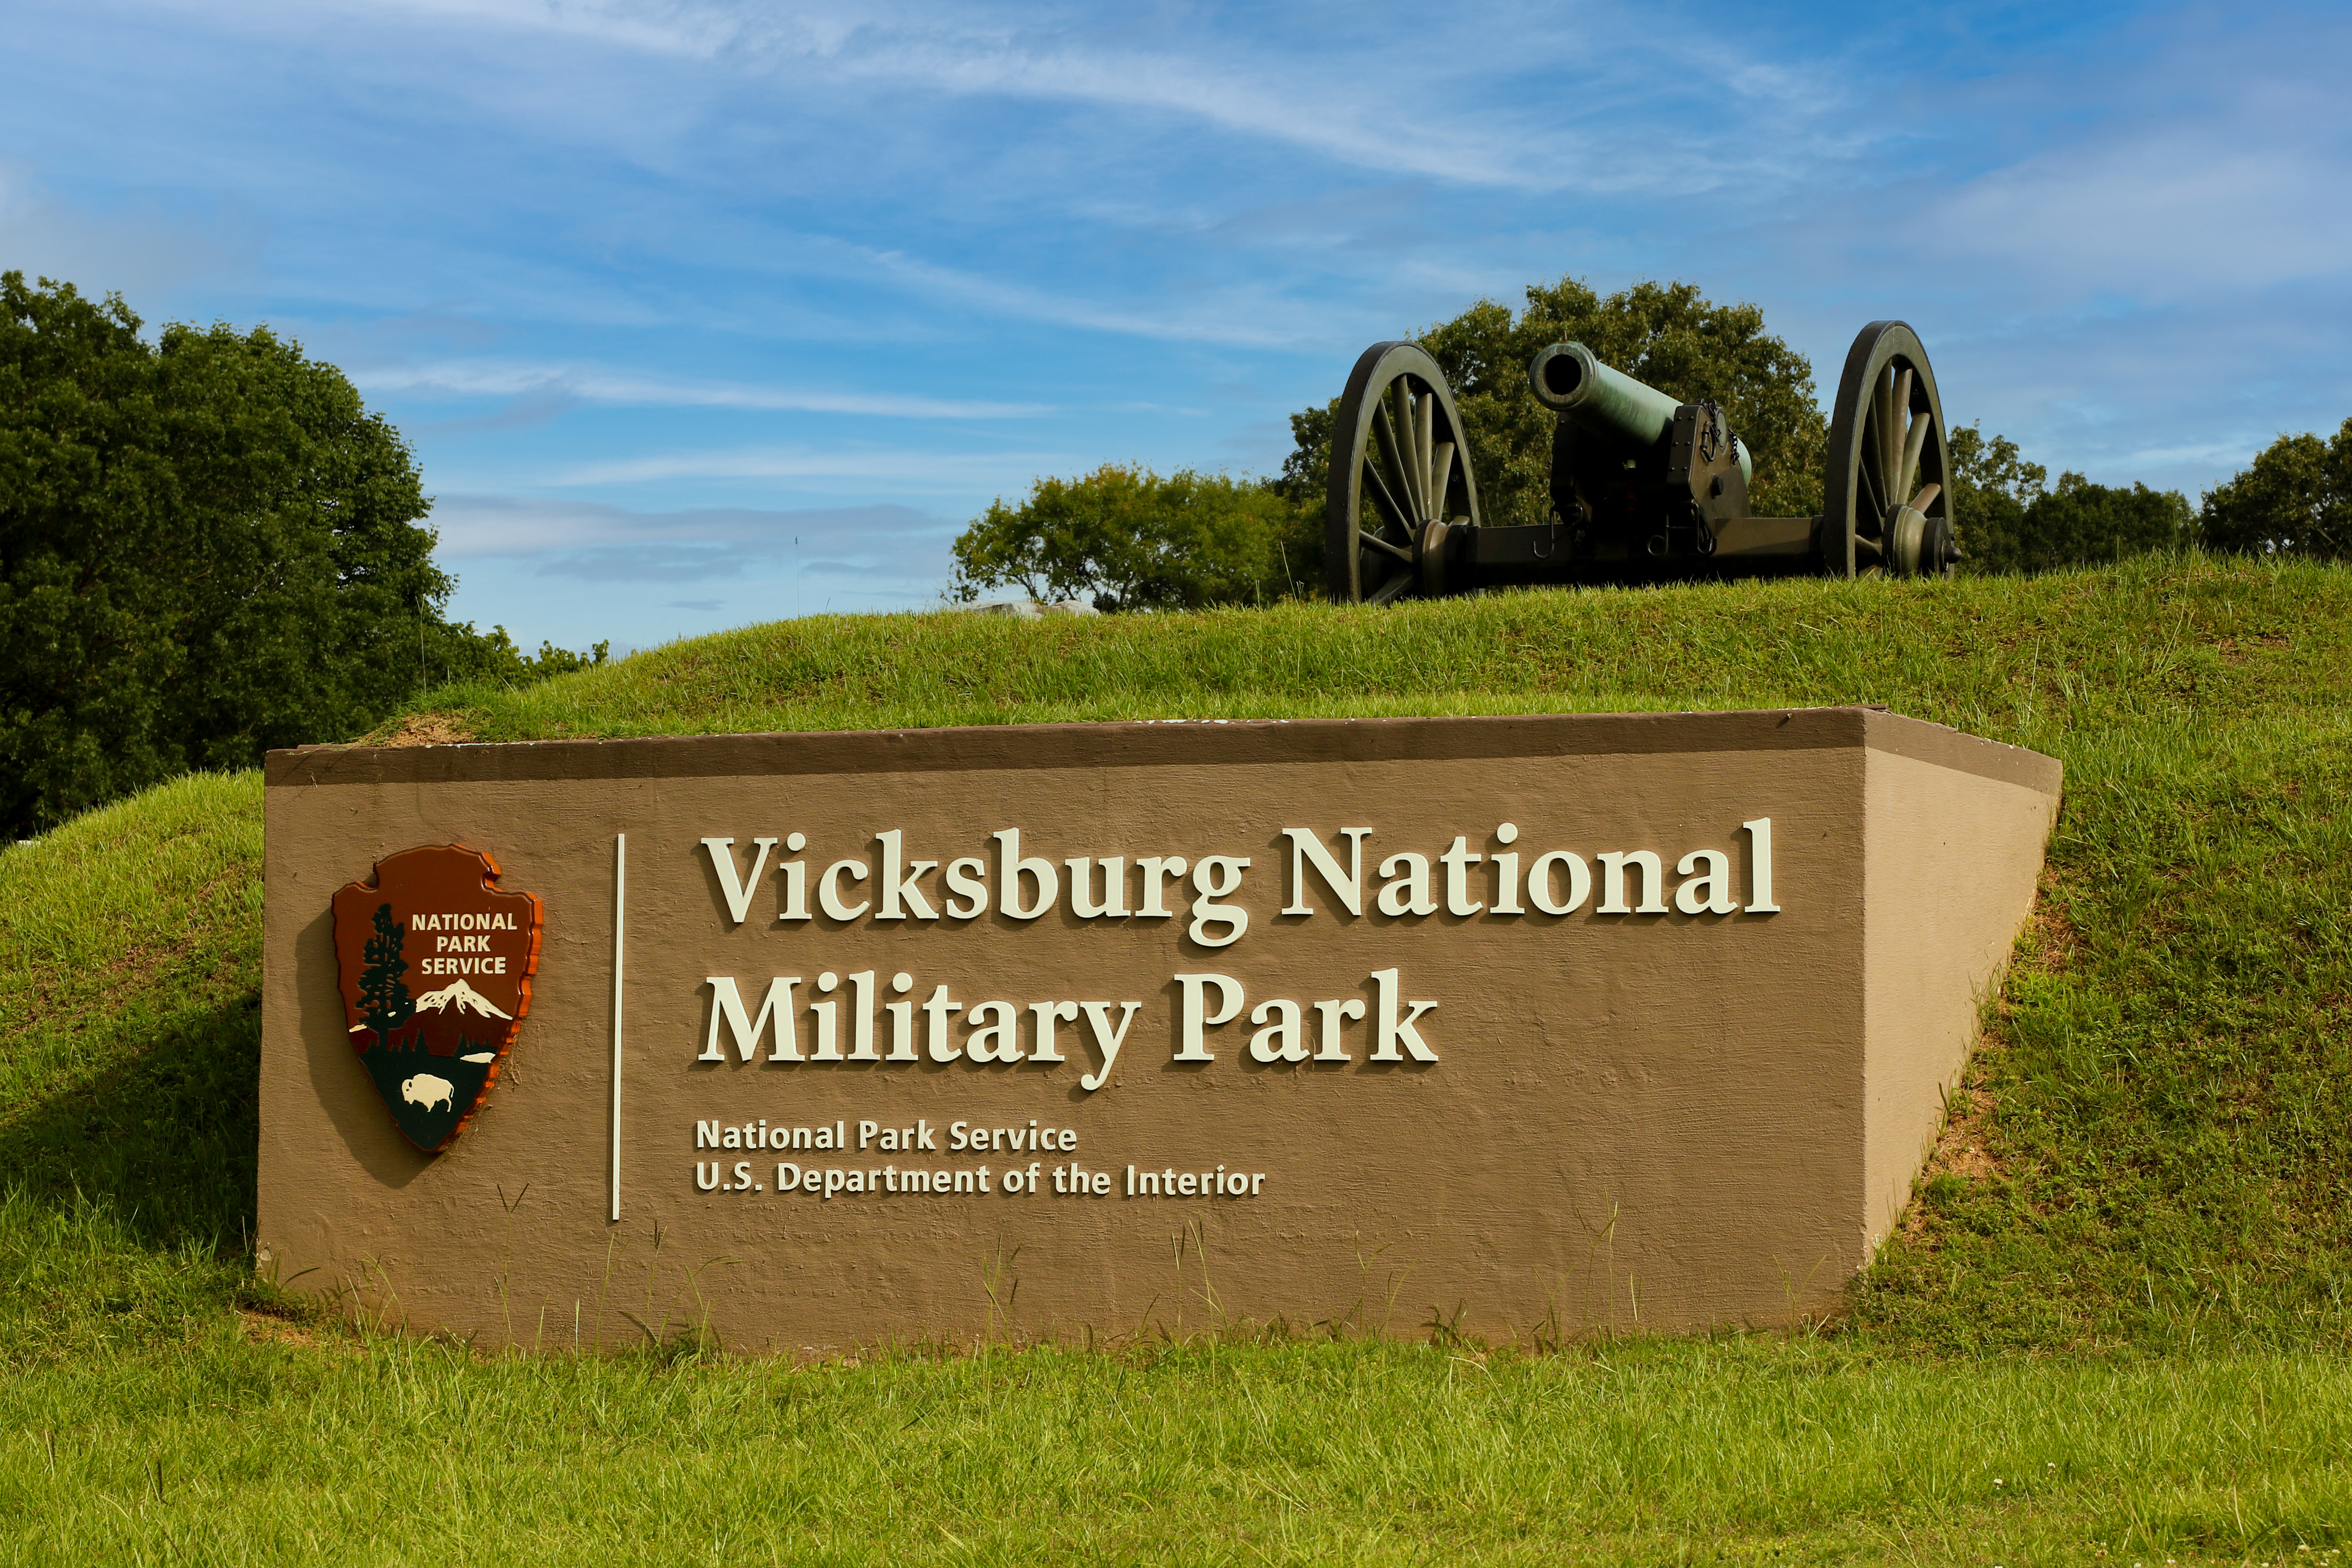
<point x="434" y="962"/>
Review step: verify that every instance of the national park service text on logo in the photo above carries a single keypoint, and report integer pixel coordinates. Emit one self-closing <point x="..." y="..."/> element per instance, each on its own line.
<point x="435" y="962"/>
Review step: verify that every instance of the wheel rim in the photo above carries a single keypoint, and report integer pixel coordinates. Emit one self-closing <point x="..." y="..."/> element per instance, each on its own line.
<point x="1888" y="490"/>
<point x="1400" y="478"/>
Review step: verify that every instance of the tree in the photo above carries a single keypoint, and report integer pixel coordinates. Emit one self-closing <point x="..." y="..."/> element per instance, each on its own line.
<point x="2080" y="523"/>
<point x="494" y="658"/>
<point x="384" y="1002"/>
<point x="208" y="547"/>
<point x="1992" y="488"/>
<point x="2010" y="521"/>
<point x="1130" y="540"/>
<point x="1668" y="335"/>
<point x="2296" y="499"/>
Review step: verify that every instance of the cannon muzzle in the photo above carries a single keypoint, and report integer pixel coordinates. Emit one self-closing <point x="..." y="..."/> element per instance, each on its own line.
<point x="1608" y="403"/>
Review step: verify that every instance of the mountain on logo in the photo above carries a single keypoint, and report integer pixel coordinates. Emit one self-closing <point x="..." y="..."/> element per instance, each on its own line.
<point x="460" y="998"/>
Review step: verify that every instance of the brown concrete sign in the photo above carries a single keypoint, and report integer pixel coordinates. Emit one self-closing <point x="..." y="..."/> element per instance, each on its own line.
<point x="1530" y="1024"/>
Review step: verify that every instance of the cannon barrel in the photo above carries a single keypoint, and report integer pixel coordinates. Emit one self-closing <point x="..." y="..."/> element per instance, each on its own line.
<point x="1568" y="379"/>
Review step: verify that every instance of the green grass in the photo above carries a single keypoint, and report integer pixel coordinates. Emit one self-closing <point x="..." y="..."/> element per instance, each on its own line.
<point x="129" y="1010"/>
<point x="2040" y="658"/>
<point x="1705" y="1451"/>
<point x="2122" y="1292"/>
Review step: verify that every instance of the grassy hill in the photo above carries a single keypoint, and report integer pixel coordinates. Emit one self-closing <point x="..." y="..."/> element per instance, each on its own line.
<point x="2159" y="1143"/>
<point x="2142" y="1213"/>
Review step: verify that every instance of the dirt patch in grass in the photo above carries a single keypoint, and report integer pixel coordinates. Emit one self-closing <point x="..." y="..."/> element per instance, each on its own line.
<point x="297" y="1333"/>
<point x="2051" y="940"/>
<point x="424" y="730"/>
<point x="1963" y="1150"/>
<point x="2237" y="650"/>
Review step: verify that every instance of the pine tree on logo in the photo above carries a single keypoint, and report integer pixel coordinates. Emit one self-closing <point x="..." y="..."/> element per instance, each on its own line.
<point x="384" y="1003"/>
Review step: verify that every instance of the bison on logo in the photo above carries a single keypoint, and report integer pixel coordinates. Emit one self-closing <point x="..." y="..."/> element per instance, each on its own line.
<point x="434" y="962"/>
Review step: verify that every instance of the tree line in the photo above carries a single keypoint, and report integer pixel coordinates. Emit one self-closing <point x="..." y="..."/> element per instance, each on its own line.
<point x="208" y="547"/>
<point x="1124" y="538"/>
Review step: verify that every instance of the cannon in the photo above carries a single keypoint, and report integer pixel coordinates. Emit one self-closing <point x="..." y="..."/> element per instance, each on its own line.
<point x="1643" y="488"/>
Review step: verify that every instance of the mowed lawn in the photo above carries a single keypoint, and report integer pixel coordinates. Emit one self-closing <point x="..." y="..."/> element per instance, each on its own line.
<point x="217" y="1444"/>
<point x="2115" y="1328"/>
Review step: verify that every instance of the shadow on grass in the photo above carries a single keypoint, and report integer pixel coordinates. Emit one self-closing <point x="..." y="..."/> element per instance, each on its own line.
<point x="153" y="1117"/>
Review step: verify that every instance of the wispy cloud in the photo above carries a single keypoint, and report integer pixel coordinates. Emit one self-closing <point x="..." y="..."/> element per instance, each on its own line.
<point x="1414" y="102"/>
<point x="1244" y="322"/>
<point x="881" y="554"/>
<point x="475" y="525"/>
<point x="1033" y="52"/>
<point x="651" y="562"/>
<point x="1353" y="126"/>
<point x="479" y="378"/>
<point x="948" y="471"/>
<point x="139" y="247"/>
<point x="2158" y="213"/>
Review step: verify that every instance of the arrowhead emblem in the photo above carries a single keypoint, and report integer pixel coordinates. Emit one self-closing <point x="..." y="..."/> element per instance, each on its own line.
<point x="434" y="962"/>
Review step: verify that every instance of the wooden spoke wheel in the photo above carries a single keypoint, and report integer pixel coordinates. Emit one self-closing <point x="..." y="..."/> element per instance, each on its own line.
<point x="1887" y="488"/>
<point x="1400" y="478"/>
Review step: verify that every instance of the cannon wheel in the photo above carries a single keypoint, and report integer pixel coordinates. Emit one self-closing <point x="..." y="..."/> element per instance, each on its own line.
<point x="1400" y="478"/>
<point x="1887" y="484"/>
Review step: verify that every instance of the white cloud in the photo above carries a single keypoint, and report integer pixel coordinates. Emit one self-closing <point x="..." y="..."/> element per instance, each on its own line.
<point x="1429" y="100"/>
<point x="2158" y="216"/>
<point x="1022" y="52"/>
<point x="577" y="572"/>
<point x="900" y="469"/>
<point x="483" y="378"/>
<point x="1341" y="121"/>
<point x="1242" y="317"/>
<point x="506" y="525"/>
<point x="139" y="248"/>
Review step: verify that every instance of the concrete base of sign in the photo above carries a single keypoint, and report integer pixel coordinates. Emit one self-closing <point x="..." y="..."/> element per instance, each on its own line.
<point x="1538" y="1024"/>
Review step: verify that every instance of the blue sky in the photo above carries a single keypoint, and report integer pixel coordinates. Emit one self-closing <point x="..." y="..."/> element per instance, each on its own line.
<point x="699" y="314"/>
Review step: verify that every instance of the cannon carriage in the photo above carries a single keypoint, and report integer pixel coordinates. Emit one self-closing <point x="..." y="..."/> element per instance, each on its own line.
<point x="1643" y="488"/>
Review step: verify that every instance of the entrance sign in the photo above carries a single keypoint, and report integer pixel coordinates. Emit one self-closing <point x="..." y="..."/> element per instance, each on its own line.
<point x="1535" y="1023"/>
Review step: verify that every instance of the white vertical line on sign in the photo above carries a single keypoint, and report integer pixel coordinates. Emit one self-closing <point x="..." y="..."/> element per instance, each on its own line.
<point x="620" y="907"/>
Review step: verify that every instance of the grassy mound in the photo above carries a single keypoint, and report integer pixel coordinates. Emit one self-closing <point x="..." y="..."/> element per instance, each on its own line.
<point x="2153" y="1155"/>
<point x="2156" y="1142"/>
<point x="129" y="979"/>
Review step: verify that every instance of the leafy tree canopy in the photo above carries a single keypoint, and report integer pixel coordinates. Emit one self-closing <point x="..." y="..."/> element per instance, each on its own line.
<point x="2009" y="520"/>
<point x="2081" y="523"/>
<point x="495" y="658"/>
<point x="2295" y="499"/>
<point x="1992" y="486"/>
<point x="1668" y="334"/>
<point x="1127" y="538"/>
<point x="208" y="547"/>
